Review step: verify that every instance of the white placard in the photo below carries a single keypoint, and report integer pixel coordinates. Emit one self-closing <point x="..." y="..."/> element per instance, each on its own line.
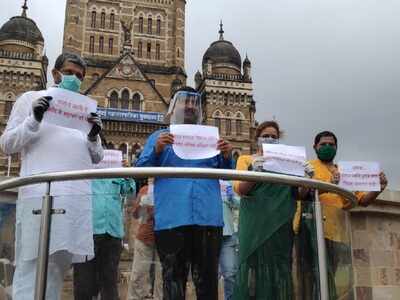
<point x="284" y="159"/>
<point x="360" y="176"/>
<point x="195" y="141"/>
<point x="69" y="109"/>
<point x="112" y="159"/>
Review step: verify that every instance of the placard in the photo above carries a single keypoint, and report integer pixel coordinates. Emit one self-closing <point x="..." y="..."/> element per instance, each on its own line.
<point x="112" y="159"/>
<point x="360" y="176"/>
<point x="195" y="141"/>
<point x="284" y="159"/>
<point x="69" y="109"/>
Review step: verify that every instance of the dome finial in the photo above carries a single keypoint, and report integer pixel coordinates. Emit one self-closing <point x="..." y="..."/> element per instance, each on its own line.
<point x="24" y="8"/>
<point x="221" y="31"/>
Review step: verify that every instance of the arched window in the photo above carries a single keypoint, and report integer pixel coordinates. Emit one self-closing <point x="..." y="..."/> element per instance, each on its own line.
<point x="125" y="99"/>
<point x="114" y="100"/>
<point x="141" y="24"/>
<point x="217" y="123"/>
<point x="140" y="49"/>
<point x="110" y="46"/>
<point x="149" y="50"/>
<point x="159" y="26"/>
<point x="158" y="52"/>
<point x="231" y="99"/>
<point x="103" y="20"/>
<point x="217" y="120"/>
<point x="136" y="102"/>
<point x="91" y="44"/>
<point x="101" y="44"/>
<point x="239" y="123"/>
<point x="9" y="104"/>
<point x="112" y="21"/>
<point x="150" y="26"/>
<point x="228" y="127"/>
<point x="93" y="23"/>
<point x="238" y="127"/>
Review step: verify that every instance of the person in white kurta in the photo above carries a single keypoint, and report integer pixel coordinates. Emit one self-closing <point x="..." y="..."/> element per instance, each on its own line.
<point x="49" y="148"/>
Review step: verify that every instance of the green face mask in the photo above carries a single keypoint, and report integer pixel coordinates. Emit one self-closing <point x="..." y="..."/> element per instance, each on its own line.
<point x="70" y="82"/>
<point x="326" y="153"/>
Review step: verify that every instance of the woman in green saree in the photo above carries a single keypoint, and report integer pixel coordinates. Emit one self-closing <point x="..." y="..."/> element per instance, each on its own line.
<point x="265" y="230"/>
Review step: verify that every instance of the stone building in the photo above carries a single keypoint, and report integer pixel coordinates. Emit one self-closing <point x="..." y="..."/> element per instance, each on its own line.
<point x="23" y="67"/>
<point x="135" y="50"/>
<point x="135" y="53"/>
<point x="227" y="88"/>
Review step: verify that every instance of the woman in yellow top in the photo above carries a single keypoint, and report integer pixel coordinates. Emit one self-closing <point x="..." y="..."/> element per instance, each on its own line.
<point x="336" y="238"/>
<point x="265" y="230"/>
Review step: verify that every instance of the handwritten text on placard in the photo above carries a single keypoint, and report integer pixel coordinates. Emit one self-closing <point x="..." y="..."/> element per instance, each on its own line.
<point x="359" y="175"/>
<point x="112" y="159"/>
<point x="284" y="159"/>
<point x="195" y="141"/>
<point x="68" y="109"/>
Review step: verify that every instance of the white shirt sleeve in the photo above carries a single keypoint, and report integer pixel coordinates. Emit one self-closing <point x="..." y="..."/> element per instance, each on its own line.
<point x="96" y="150"/>
<point x="22" y="128"/>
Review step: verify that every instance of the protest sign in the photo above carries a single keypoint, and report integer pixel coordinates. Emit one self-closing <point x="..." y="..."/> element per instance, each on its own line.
<point x="69" y="109"/>
<point x="359" y="176"/>
<point x="195" y="141"/>
<point x="284" y="159"/>
<point x="112" y="159"/>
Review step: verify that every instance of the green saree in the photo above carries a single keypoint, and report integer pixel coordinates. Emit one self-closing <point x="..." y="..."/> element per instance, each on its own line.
<point x="265" y="244"/>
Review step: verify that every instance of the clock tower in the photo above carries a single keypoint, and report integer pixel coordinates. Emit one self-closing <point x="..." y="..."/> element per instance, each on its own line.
<point x="135" y="53"/>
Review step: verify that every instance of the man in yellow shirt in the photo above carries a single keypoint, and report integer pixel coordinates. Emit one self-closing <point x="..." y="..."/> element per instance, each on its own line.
<point x="335" y="223"/>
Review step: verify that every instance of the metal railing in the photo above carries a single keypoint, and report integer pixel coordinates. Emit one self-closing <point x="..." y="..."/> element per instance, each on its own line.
<point x="47" y="204"/>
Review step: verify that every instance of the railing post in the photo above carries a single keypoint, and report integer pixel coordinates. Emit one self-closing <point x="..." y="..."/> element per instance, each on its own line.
<point x="44" y="243"/>
<point x="322" y="261"/>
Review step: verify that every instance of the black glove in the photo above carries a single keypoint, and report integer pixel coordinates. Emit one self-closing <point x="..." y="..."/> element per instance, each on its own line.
<point x="97" y="126"/>
<point x="40" y="106"/>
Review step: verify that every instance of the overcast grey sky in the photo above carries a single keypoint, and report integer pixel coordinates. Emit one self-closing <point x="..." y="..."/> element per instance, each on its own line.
<point x="317" y="65"/>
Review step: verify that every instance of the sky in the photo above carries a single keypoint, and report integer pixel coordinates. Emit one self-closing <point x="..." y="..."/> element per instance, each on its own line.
<point x="316" y="65"/>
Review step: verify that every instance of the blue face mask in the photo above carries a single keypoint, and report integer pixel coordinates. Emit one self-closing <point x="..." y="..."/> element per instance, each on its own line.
<point x="70" y="82"/>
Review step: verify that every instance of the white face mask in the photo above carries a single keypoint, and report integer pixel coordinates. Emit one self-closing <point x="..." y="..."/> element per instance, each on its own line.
<point x="267" y="140"/>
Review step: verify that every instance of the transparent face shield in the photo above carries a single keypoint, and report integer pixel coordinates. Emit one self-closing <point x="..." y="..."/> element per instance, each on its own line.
<point x="185" y="108"/>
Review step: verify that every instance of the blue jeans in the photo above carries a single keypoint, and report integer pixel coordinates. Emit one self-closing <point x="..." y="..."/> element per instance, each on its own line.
<point x="228" y="264"/>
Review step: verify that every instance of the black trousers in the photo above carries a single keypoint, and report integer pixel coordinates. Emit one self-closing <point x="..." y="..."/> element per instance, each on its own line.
<point x="99" y="275"/>
<point x="185" y="248"/>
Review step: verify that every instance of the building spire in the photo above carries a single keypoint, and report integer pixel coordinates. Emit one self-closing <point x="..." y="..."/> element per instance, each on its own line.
<point x="221" y="31"/>
<point x="24" y="8"/>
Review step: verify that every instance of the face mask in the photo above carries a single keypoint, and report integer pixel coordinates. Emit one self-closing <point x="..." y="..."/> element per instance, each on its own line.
<point x="326" y="153"/>
<point x="70" y="82"/>
<point x="267" y="140"/>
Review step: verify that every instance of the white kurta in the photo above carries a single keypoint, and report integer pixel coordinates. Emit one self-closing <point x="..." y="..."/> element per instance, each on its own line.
<point x="48" y="148"/>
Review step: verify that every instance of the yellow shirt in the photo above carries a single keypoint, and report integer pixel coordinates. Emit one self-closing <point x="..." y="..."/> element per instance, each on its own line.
<point x="333" y="206"/>
<point x="243" y="163"/>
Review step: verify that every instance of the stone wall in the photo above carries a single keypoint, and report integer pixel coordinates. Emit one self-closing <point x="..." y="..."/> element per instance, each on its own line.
<point x="376" y="248"/>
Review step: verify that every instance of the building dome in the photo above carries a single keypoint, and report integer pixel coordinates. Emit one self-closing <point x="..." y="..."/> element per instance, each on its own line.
<point x="223" y="52"/>
<point x="21" y="28"/>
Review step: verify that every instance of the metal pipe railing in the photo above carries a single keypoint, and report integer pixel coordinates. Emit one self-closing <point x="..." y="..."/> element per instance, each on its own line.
<point x="47" y="208"/>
